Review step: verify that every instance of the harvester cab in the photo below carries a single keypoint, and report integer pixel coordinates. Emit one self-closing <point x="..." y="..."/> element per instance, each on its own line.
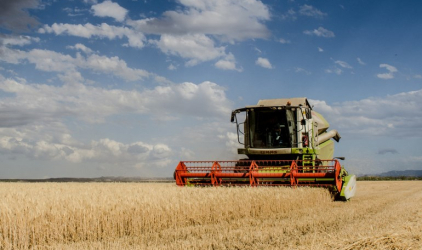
<point x="286" y="143"/>
<point x="284" y="129"/>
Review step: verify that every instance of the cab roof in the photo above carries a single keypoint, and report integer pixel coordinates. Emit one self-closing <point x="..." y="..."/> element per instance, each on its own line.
<point x="295" y="102"/>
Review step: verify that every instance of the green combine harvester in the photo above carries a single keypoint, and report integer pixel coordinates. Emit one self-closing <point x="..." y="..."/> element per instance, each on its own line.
<point x="286" y="143"/>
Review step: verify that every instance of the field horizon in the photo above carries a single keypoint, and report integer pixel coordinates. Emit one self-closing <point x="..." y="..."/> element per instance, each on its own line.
<point x="394" y="174"/>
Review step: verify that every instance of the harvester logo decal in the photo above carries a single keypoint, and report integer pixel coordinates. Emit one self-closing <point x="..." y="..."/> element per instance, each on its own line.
<point x="269" y="152"/>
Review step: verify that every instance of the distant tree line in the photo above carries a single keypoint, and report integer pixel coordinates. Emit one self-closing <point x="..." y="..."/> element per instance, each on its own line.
<point x="389" y="178"/>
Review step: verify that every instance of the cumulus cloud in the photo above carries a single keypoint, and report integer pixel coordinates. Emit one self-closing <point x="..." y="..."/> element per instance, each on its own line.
<point x="226" y="20"/>
<point x="109" y="9"/>
<point x="10" y="55"/>
<point x="104" y="151"/>
<point x="190" y="32"/>
<point x="360" y="61"/>
<point x="394" y="116"/>
<point x="17" y="40"/>
<point x="74" y="12"/>
<point x="339" y="67"/>
<point x="308" y="10"/>
<point x="172" y="67"/>
<point x="228" y="63"/>
<point x="284" y="41"/>
<point x="321" y="32"/>
<point x="391" y="70"/>
<point x="334" y="70"/>
<point x="232" y="142"/>
<point x="196" y="48"/>
<point x="115" y="65"/>
<point x="14" y="15"/>
<point x="135" y="39"/>
<point x="32" y="119"/>
<point x="40" y="102"/>
<point x="51" y="61"/>
<point x="82" y="48"/>
<point x="289" y="15"/>
<point x="343" y="64"/>
<point x="263" y="62"/>
<point x="302" y="71"/>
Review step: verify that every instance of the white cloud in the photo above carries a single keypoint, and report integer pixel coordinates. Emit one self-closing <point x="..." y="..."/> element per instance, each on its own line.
<point x="81" y="47"/>
<point x="334" y="70"/>
<point x="394" y="116"/>
<point x="187" y="154"/>
<point x="105" y="151"/>
<point x="115" y="65"/>
<point x="189" y="32"/>
<point x="14" y="40"/>
<point x="360" y="61"/>
<point x="390" y="74"/>
<point x="50" y="61"/>
<point x="74" y="12"/>
<point x="109" y="9"/>
<point x="308" y="10"/>
<point x="197" y="48"/>
<point x="47" y="60"/>
<point x="226" y="20"/>
<point x="417" y="76"/>
<point x="32" y="119"/>
<point x="289" y="15"/>
<point x="284" y="41"/>
<point x="9" y="55"/>
<point x="303" y="71"/>
<point x="40" y="102"/>
<point x="343" y="64"/>
<point x="135" y="39"/>
<point x="231" y="142"/>
<point x="338" y="70"/>
<point x="263" y="62"/>
<point x="228" y="63"/>
<point x="225" y="64"/>
<point x="320" y="49"/>
<point x="172" y="67"/>
<point x="321" y="32"/>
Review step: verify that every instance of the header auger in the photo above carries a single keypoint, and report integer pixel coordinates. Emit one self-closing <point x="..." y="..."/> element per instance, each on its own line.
<point x="287" y="144"/>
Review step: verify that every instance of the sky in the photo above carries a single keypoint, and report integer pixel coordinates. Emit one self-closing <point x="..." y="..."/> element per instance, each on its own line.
<point x="92" y="88"/>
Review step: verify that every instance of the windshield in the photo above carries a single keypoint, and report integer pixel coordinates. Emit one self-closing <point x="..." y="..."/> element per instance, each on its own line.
<point x="270" y="128"/>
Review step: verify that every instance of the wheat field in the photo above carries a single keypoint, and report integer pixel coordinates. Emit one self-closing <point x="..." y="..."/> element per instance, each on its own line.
<point x="383" y="215"/>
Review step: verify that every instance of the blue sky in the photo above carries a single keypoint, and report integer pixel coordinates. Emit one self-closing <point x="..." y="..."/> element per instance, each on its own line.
<point x="128" y="88"/>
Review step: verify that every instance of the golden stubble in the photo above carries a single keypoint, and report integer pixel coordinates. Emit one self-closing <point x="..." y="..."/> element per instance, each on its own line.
<point x="383" y="215"/>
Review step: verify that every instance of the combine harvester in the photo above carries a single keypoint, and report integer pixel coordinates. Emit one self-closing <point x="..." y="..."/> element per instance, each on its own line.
<point x="287" y="144"/>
